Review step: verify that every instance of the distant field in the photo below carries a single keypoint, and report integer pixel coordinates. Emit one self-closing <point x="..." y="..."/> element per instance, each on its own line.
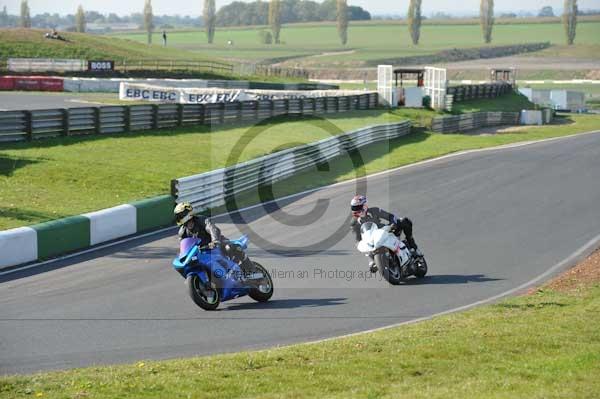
<point x="373" y="41"/>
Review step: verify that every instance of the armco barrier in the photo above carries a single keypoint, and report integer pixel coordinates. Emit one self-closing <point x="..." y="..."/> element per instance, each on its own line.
<point x="39" y="124"/>
<point x="215" y="188"/>
<point x="475" y="120"/>
<point x="473" y="92"/>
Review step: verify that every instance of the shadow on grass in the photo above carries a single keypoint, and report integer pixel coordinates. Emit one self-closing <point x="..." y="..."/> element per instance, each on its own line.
<point x="528" y="306"/>
<point x="9" y="164"/>
<point x="29" y="216"/>
<point x="172" y="132"/>
<point x="562" y="120"/>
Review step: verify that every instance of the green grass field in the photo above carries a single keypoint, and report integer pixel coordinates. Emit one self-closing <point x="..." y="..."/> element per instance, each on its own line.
<point x="30" y="43"/>
<point x="543" y="345"/>
<point x="373" y="41"/>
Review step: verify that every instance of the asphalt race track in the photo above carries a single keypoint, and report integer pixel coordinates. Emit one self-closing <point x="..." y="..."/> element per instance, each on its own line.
<point x="488" y="222"/>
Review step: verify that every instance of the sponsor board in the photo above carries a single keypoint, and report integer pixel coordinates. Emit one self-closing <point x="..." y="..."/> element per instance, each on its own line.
<point x="101" y="66"/>
<point x="140" y="92"/>
<point x="38" y="83"/>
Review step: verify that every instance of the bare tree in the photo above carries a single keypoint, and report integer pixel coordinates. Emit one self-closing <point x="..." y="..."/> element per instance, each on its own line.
<point x="486" y="14"/>
<point x="210" y="19"/>
<point x="148" y="20"/>
<point x="80" y="19"/>
<point x="570" y="20"/>
<point x="25" y="17"/>
<point x="275" y="19"/>
<point x="342" y="20"/>
<point x="414" y="20"/>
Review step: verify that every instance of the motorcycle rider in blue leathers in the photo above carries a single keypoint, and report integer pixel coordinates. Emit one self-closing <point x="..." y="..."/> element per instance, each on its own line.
<point x="202" y="228"/>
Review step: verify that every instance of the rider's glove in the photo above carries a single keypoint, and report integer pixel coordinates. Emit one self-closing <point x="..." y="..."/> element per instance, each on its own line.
<point x="214" y="244"/>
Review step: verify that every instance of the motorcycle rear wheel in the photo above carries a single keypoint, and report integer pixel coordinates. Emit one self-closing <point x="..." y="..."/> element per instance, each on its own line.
<point x="198" y="293"/>
<point x="391" y="273"/>
<point x="265" y="289"/>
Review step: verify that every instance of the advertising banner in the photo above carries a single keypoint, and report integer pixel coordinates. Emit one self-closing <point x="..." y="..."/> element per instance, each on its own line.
<point x="101" y="66"/>
<point x="140" y="92"/>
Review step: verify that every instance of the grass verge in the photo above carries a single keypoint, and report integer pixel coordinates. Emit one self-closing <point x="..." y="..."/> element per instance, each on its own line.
<point x="38" y="180"/>
<point x="527" y="346"/>
<point x="512" y="102"/>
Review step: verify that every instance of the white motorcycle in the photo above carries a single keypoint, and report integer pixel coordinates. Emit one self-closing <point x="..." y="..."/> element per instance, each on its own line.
<point x="392" y="257"/>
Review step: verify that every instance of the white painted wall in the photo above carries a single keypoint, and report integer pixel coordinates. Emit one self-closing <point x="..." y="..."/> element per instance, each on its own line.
<point x="531" y="118"/>
<point x="113" y="223"/>
<point x="18" y="246"/>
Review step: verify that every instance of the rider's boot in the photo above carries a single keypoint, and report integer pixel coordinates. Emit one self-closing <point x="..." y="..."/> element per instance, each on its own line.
<point x="414" y="249"/>
<point x="373" y="267"/>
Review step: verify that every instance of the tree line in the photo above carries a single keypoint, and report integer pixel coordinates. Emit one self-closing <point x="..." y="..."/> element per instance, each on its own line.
<point x="278" y="12"/>
<point x="487" y="19"/>
<point x="289" y="11"/>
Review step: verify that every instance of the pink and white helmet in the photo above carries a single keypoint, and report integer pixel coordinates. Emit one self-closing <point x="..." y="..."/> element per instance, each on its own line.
<point x="358" y="205"/>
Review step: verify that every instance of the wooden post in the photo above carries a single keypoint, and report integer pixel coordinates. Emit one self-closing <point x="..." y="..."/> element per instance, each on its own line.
<point x="127" y="119"/>
<point x="202" y="114"/>
<point x="97" y="121"/>
<point x="240" y="111"/>
<point x="222" y="113"/>
<point x="179" y="115"/>
<point x="155" y="116"/>
<point x="28" y="125"/>
<point x="65" y="122"/>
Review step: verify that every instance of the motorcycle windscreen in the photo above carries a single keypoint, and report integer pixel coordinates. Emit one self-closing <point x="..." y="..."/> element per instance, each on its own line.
<point x="186" y="245"/>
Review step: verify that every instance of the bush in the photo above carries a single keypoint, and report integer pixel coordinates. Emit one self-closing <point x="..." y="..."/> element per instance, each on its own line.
<point x="427" y="101"/>
<point x="265" y="37"/>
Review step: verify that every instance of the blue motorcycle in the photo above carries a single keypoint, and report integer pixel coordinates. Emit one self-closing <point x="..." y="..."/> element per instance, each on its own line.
<point x="212" y="277"/>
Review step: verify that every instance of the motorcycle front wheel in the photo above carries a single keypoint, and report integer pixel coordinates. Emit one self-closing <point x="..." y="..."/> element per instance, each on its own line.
<point x="206" y="297"/>
<point x="421" y="266"/>
<point x="264" y="290"/>
<point x="390" y="272"/>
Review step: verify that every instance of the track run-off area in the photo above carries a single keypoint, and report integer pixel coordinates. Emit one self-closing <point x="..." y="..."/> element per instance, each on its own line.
<point x="489" y="222"/>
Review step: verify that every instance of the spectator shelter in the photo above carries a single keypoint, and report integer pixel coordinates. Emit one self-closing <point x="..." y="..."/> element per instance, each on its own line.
<point x="504" y="75"/>
<point x="400" y="74"/>
<point x="410" y="96"/>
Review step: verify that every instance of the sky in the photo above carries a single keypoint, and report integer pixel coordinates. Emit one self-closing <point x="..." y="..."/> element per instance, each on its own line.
<point x="194" y="7"/>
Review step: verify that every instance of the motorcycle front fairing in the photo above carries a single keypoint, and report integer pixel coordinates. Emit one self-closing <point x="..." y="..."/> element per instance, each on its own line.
<point x="374" y="238"/>
<point x="212" y="265"/>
